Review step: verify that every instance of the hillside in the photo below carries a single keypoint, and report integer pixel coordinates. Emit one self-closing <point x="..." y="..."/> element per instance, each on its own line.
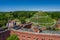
<point x="41" y="18"/>
<point x="20" y="15"/>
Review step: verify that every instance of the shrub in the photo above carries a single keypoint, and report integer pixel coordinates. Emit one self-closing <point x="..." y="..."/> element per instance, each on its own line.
<point x="13" y="37"/>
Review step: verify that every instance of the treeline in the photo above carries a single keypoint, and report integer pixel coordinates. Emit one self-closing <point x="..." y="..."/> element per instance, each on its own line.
<point x="54" y="15"/>
<point x="21" y="15"/>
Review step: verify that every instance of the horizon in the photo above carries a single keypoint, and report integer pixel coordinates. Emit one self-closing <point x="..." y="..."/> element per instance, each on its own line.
<point x="29" y="10"/>
<point x="29" y="5"/>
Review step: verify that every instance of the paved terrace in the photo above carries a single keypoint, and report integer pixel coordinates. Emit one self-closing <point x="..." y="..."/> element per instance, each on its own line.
<point x="46" y="32"/>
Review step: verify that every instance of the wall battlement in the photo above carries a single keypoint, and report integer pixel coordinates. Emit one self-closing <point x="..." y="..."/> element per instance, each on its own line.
<point x="35" y="36"/>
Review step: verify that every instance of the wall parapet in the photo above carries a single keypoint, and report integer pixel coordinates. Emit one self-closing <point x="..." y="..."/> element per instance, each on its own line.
<point x="35" y="32"/>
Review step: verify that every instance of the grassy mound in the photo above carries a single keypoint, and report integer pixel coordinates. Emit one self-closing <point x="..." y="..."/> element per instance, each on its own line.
<point x="42" y="19"/>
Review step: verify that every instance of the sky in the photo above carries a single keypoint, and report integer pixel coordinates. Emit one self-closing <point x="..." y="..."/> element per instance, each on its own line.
<point x="29" y="5"/>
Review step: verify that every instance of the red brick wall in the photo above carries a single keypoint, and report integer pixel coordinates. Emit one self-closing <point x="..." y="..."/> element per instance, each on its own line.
<point x="33" y="36"/>
<point x="4" y="35"/>
<point x="28" y="36"/>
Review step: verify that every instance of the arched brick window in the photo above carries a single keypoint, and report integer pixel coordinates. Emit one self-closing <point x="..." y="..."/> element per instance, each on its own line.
<point x="43" y="38"/>
<point x="50" y="39"/>
<point x="23" y="37"/>
<point x="29" y="38"/>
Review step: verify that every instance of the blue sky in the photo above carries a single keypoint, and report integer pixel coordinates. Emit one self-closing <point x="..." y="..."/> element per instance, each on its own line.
<point x="30" y="5"/>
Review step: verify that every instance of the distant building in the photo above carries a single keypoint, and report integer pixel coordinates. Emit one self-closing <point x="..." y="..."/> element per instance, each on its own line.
<point x="11" y="23"/>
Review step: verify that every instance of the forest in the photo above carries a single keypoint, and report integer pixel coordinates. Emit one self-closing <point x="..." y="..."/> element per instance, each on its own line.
<point x="22" y="15"/>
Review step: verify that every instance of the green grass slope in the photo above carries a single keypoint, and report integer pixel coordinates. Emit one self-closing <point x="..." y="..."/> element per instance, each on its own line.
<point x="42" y="19"/>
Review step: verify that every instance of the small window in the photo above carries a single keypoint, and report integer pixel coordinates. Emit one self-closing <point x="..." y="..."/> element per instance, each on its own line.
<point x="35" y="38"/>
<point x="29" y="37"/>
<point x="50" y="39"/>
<point x="43" y="39"/>
<point x="23" y="36"/>
<point x="23" y="39"/>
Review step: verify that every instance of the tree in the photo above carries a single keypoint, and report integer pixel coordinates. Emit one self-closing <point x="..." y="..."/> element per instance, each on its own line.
<point x="13" y="37"/>
<point x="22" y="19"/>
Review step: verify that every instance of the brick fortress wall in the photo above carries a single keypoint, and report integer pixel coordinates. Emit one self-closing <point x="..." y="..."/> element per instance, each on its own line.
<point x="35" y="36"/>
<point x="28" y="35"/>
<point x="4" y="35"/>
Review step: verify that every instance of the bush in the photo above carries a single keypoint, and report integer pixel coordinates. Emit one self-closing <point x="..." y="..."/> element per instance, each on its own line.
<point x="13" y="37"/>
<point x="57" y="29"/>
